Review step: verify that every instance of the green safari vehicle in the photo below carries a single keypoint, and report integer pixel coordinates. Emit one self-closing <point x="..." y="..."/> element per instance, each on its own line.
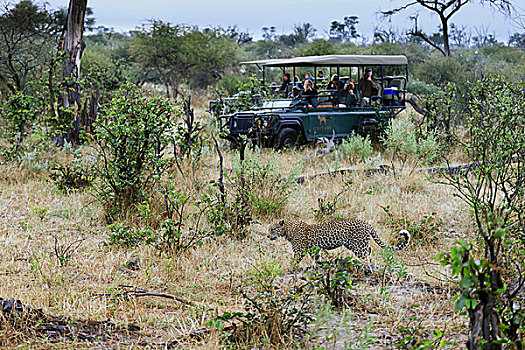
<point x="287" y="118"/>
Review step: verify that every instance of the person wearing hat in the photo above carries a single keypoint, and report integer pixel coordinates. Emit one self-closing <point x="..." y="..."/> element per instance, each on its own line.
<point x="369" y="86"/>
<point x="286" y="86"/>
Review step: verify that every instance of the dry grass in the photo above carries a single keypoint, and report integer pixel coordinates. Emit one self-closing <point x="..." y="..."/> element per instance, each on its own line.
<point x="33" y="214"/>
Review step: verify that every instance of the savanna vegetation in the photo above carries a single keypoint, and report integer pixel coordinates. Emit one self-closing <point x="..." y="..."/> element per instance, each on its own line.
<point x="127" y="222"/>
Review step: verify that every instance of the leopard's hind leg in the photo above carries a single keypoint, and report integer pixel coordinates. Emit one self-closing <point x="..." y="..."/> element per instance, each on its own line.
<point x="361" y="251"/>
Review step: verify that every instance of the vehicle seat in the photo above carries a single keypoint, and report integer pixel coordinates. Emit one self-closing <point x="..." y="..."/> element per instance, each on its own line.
<point x="324" y="100"/>
<point x="398" y="83"/>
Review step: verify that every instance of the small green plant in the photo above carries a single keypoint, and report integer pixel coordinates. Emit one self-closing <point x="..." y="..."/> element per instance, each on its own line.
<point x="227" y="211"/>
<point x="328" y="206"/>
<point x="175" y="235"/>
<point x="275" y="314"/>
<point x="357" y="148"/>
<point x="73" y="174"/>
<point x="226" y="215"/>
<point x="391" y="267"/>
<point x="417" y="336"/>
<point x="333" y="279"/>
<point x="64" y="251"/>
<point x="127" y="236"/>
<point x="39" y="211"/>
<point x="171" y="230"/>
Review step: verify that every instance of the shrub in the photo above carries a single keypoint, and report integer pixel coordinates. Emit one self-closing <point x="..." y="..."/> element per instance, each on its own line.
<point x="165" y="225"/>
<point x="333" y="279"/>
<point x="495" y="192"/>
<point x="328" y="206"/>
<point x="274" y="313"/>
<point x="403" y="144"/>
<point x="421" y="88"/>
<point x="357" y="148"/>
<point x="132" y="134"/>
<point x="439" y="70"/>
<point x="263" y="184"/>
<point x="128" y="236"/>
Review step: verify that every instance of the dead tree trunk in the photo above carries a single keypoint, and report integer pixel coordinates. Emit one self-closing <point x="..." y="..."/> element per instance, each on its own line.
<point x="74" y="46"/>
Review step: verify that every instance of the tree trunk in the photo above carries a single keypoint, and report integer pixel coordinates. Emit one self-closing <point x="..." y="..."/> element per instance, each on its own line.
<point x="446" y="39"/>
<point x="74" y="46"/>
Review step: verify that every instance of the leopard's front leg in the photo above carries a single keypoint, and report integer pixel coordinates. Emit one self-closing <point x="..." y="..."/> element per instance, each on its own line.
<point x="298" y="253"/>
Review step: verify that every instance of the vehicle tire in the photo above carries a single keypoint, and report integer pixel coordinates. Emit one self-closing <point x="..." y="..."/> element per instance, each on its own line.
<point x="287" y="138"/>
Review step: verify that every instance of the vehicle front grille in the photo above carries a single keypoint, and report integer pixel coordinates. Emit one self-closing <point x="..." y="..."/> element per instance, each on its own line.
<point x="241" y="123"/>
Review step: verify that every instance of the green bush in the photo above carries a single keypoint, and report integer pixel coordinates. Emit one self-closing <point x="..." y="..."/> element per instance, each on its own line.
<point x="132" y="134"/>
<point x="403" y="144"/>
<point x="229" y="85"/>
<point x="263" y="184"/>
<point x="489" y="270"/>
<point x="421" y="88"/>
<point x="275" y="314"/>
<point x="357" y="148"/>
<point x="439" y="70"/>
<point x="127" y="236"/>
<point x="165" y="223"/>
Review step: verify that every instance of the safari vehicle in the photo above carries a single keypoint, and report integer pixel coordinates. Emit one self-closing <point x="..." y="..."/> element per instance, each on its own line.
<point x="283" y="122"/>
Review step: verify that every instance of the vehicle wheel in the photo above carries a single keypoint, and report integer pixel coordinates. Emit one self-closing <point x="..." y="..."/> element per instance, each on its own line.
<point x="287" y="138"/>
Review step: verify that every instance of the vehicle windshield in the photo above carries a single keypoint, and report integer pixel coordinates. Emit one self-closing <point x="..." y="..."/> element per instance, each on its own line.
<point x="271" y="104"/>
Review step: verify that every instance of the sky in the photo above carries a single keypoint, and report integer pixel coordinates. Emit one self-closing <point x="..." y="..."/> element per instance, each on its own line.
<point x="252" y="15"/>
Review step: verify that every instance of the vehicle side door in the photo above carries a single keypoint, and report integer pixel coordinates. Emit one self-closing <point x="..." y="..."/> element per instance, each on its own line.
<point x="318" y="123"/>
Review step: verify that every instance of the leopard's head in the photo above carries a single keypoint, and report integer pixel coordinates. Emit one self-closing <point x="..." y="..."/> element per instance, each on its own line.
<point x="276" y="230"/>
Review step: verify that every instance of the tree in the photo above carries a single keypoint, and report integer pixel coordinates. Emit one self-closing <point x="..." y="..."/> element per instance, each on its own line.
<point x="180" y="53"/>
<point x="73" y="46"/>
<point x="304" y="31"/>
<point x="517" y="40"/>
<point x="28" y="32"/>
<point x="269" y="33"/>
<point x="233" y="32"/>
<point x="300" y="35"/>
<point x="319" y="47"/>
<point x="459" y="35"/>
<point x="444" y="9"/>
<point x="344" y="31"/>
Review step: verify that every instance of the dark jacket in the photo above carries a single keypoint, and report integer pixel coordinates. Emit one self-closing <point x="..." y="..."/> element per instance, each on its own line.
<point x="332" y="85"/>
<point x="369" y="87"/>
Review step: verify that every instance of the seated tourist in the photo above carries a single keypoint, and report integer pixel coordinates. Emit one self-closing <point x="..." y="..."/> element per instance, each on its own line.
<point x="310" y="93"/>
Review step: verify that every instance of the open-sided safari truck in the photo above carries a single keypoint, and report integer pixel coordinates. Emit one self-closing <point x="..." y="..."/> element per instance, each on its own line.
<point x="284" y="121"/>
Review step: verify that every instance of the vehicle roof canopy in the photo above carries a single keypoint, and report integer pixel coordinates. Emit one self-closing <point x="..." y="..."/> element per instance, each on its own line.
<point x="333" y="60"/>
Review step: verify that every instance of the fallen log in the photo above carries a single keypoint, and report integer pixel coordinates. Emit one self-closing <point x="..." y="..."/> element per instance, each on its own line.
<point x="35" y="323"/>
<point x="383" y="169"/>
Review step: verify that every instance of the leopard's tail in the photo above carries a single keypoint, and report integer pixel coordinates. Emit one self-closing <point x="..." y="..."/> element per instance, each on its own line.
<point x="401" y="245"/>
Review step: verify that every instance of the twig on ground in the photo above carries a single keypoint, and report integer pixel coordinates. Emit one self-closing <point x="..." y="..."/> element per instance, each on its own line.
<point x="139" y="292"/>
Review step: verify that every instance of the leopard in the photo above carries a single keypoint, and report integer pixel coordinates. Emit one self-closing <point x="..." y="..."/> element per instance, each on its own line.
<point x="354" y="234"/>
